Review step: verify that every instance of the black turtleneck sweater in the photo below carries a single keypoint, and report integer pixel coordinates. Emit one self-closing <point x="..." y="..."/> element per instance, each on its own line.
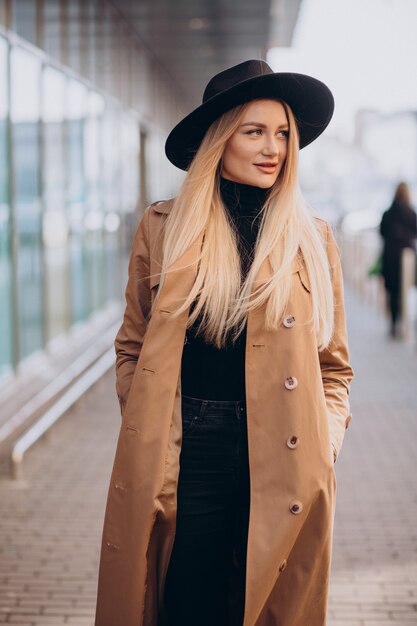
<point x="206" y="371"/>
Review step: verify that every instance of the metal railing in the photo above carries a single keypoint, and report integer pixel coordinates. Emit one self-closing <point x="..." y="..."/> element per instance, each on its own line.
<point x="54" y="388"/>
<point x="74" y="393"/>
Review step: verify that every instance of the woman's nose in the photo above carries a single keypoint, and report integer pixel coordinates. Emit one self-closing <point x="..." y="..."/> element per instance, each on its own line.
<point x="270" y="147"/>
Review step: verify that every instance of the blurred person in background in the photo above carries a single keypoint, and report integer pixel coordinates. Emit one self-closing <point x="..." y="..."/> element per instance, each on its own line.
<point x="232" y="371"/>
<point x="398" y="229"/>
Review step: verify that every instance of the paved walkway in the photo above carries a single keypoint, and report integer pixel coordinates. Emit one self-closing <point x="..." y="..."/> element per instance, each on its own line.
<point x="50" y="527"/>
<point x="374" y="580"/>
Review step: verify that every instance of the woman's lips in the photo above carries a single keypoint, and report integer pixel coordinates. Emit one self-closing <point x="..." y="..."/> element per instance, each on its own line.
<point x="268" y="169"/>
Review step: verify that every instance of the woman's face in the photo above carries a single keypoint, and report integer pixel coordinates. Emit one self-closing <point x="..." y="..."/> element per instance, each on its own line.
<point x="261" y="138"/>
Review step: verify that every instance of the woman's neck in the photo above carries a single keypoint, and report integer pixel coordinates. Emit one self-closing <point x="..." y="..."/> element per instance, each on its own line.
<point x="241" y="199"/>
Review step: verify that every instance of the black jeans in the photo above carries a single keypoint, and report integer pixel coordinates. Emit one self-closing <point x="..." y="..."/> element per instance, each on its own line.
<point x="205" y="582"/>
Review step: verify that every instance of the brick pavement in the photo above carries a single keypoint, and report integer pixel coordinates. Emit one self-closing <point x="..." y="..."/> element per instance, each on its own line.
<point x="374" y="569"/>
<point x="50" y="527"/>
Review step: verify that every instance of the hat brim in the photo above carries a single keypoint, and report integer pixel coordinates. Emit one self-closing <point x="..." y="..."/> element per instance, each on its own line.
<point x="311" y="101"/>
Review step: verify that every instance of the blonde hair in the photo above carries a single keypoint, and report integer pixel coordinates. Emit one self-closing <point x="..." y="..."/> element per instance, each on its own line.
<point x="286" y="224"/>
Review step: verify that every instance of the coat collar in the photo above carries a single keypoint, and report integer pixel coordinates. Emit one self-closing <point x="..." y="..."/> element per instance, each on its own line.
<point x="163" y="206"/>
<point x="265" y="271"/>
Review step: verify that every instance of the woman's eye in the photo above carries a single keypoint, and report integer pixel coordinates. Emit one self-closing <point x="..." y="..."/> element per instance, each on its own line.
<point x="258" y="130"/>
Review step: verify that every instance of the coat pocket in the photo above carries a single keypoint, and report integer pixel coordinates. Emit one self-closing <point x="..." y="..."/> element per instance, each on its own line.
<point x="154" y="285"/>
<point x="189" y="422"/>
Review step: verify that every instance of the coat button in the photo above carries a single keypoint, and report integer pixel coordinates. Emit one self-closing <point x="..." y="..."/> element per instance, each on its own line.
<point x="293" y="441"/>
<point x="291" y="382"/>
<point x="296" y="507"/>
<point x="289" y="321"/>
<point x="282" y="565"/>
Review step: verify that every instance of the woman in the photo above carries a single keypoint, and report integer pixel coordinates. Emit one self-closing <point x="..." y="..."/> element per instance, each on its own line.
<point x="398" y="228"/>
<point x="232" y="374"/>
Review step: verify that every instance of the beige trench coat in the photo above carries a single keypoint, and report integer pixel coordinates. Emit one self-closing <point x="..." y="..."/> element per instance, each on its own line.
<point x="289" y="546"/>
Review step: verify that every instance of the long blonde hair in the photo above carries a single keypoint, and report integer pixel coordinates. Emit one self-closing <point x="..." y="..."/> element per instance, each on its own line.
<point x="286" y="224"/>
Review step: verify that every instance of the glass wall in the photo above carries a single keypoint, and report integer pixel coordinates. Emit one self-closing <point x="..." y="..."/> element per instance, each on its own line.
<point x="70" y="165"/>
<point x="71" y="45"/>
<point x="3" y="12"/>
<point x="76" y="99"/>
<point x="6" y="294"/>
<point x="74" y="166"/>
<point x="111" y="193"/>
<point x="25" y="131"/>
<point x="51" y="25"/>
<point x="93" y="222"/>
<point x="55" y="221"/>
<point x="130" y="134"/>
<point x="24" y="19"/>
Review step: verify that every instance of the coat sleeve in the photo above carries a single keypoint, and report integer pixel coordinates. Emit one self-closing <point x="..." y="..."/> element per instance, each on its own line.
<point x="336" y="371"/>
<point x="129" y="338"/>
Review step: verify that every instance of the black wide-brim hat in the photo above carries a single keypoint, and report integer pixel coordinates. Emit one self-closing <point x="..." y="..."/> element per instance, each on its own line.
<point x="311" y="101"/>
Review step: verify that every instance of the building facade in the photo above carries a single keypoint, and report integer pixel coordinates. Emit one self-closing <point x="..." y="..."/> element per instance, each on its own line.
<point x="83" y="107"/>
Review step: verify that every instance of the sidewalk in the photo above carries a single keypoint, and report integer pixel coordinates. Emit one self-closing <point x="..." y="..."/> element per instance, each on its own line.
<point x="374" y="571"/>
<point x="50" y="528"/>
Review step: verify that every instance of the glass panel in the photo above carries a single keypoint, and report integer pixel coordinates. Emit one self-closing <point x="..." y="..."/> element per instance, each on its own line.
<point x="24" y="84"/>
<point x="72" y="36"/>
<point x="92" y="11"/>
<point x="55" y="222"/>
<point x="111" y="194"/>
<point x="112" y="266"/>
<point x="94" y="215"/>
<point x="24" y="19"/>
<point x="6" y="294"/>
<point x="3" y="12"/>
<point x="104" y="54"/>
<point x="52" y="28"/>
<point x="76" y="197"/>
<point x="130" y="165"/>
